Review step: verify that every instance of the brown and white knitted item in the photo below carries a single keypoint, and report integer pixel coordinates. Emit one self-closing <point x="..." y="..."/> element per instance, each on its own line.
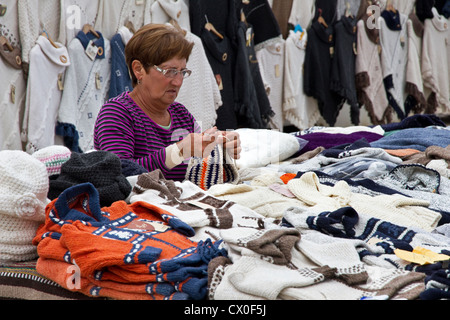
<point x="192" y="205"/>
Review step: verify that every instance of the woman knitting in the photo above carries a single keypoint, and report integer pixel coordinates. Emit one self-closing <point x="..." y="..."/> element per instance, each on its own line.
<point x="147" y="125"/>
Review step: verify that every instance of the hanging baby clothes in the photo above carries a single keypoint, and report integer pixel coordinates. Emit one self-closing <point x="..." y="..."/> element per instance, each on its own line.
<point x="74" y="15"/>
<point x="434" y="61"/>
<point x="34" y="17"/>
<point x="369" y="77"/>
<point x="207" y="99"/>
<point x="415" y="101"/>
<point x="44" y="90"/>
<point x="394" y="56"/>
<point x="12" y="82"/>
<point x="85" y="90"/>
<point x="120" y="77"/>
<point x="298" y="109"/>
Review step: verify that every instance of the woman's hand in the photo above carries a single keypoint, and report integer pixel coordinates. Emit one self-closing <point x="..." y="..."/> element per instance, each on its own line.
<point x="231" y="143"/>
<point x="199" y="144"/>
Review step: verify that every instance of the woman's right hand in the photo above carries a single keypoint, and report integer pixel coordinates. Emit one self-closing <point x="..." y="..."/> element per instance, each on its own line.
<point x="199" y="144"/>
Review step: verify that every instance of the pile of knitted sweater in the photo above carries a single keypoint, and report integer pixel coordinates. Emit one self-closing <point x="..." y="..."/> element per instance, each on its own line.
<point x="371" y="208"/>
<point x="356" y="213"/>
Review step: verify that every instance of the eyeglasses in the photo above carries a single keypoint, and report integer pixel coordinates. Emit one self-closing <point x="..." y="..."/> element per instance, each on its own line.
<point x="172" y="72"/>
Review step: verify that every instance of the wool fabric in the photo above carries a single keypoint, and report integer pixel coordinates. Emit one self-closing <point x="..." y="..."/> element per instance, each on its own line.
<point x="53" y="157"/>
<point x="134" y="244"/>
<point x="23" y="187"/>
<point x="12" y="80"/>
<point x="101" y="168"/>
<point x="217" y="168"/>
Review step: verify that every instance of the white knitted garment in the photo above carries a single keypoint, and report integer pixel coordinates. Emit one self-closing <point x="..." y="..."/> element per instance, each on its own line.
<point x="404" y="6"/>
<point x="114" y="14"/>
<point x="434" y="58"/>
<point x="207" y="99"/>
<point x="11" y="81"/>
<point x="162" y="11"/>
<point x="270" y="56"/>
<point x="71" y="11"/>
<point x="35" y="16"/>
<point x="394" y="57"/>
<point x="23" y="196"/>
<point x="82" y="99"/>
<point x="47" y="63"/>
<point x="298" y="108"/>
<point x="397" y="209"/>
<point x="368" y="62"/>
<point x="302" y="12"/>
<point x="261" y="147"/>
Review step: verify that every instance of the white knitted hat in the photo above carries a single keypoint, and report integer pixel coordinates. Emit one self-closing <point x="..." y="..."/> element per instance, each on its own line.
<point x="24" y="185"/>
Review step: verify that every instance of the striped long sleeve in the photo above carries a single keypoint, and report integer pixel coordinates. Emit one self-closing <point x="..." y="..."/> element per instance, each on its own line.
<point x="124" y="129"/>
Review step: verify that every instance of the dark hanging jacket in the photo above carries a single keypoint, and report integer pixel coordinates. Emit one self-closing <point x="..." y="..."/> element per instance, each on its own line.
<point x="317" y="71"/>
<point x="251" y="101"/>
<point x="343" y="64"/>
<point x="220" y="52"/>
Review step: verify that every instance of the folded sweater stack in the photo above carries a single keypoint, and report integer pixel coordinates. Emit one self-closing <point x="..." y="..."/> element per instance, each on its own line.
<point x="123" y="251"/>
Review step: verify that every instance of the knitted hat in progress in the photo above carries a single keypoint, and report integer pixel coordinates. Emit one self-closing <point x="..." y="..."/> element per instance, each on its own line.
<point x="217" y="168"/>
<point x="101" y="168"/>
<point x="53" y="157"/>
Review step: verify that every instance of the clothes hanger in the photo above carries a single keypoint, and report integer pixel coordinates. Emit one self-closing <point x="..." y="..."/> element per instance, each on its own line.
<point x="46" y="35"/>
<point x="348" y="12"/>
<point x="88" y="28"/>
<point x="390" y="7"/>
<point x="130" y="26"/>
<point x="321" y="19"/>
<point x="210" y="27"/>
<point x="5" y="42"/>
<point x="177" y="26"/>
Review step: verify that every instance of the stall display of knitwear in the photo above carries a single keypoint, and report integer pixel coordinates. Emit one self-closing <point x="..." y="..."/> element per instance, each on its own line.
<point x="364" y="215"/>
<point x="318" y="212"/>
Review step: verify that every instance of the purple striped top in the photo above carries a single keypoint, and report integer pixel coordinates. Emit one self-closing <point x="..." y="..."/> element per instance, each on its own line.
<point x="124" y="129"/>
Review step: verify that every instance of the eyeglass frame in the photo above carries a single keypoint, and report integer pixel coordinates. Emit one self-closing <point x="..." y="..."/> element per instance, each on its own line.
<point x="177" y="72"/>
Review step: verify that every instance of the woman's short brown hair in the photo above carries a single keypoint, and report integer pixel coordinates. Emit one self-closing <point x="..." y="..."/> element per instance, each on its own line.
<point x="154" y="44"/>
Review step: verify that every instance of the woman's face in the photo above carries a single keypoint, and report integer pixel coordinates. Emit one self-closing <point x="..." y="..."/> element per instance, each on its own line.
<point x="159" y="89"/>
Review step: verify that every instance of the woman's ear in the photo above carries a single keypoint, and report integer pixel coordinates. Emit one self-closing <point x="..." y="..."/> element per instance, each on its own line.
<point x="138" y="69"/>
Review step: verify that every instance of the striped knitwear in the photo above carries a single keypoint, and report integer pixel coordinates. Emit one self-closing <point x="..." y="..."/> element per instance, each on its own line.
<point x="123" y="128"/>
<point x="53" y="157"/>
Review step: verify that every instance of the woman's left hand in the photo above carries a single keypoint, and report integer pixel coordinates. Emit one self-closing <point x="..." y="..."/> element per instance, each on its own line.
<point x="231" y="143"/>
